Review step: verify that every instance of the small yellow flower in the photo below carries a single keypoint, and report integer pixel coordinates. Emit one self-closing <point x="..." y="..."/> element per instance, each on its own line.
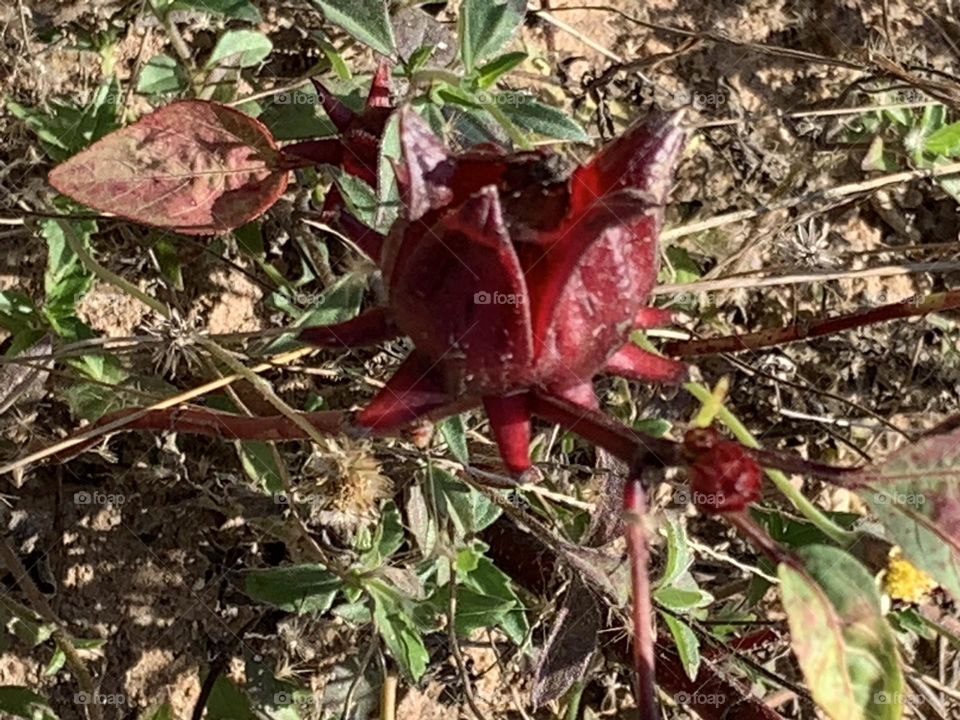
<point x="905" y="582"/>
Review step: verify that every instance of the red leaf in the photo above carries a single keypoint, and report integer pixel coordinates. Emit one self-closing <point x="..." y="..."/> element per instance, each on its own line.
<point x="195" y="167"/>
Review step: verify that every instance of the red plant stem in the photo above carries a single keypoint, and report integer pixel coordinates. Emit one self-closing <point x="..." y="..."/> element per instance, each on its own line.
<point x="597" y="428"/>
<point x="635" y="507"/>
<point x="936" y="302"/>
<point x="213" y="423"/>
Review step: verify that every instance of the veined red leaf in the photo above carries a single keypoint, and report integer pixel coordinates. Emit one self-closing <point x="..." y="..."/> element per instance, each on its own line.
<point x="195" y="167"/>
<point x="916" y="495"/>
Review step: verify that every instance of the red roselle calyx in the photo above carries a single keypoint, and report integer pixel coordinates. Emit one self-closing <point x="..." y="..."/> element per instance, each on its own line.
<point x="511" y="273"/>
<point x="723" y="476"/>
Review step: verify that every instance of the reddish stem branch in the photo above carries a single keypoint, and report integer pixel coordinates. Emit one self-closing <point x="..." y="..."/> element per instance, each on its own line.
<point x="595" y="427"/>
<point x="635" y="508"/>
<point x="937" y="302"/>
<point x="212" y="423"/>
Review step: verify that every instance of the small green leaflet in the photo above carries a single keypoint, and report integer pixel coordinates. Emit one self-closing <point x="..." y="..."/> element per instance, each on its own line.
<point x="486" y="26"/>
<point x="366" y="20"/>
<point x="162" y="75"/>
<point x="240" y="48"/>
<point x="687" y="644"/>
<point x="395" y="623"/>
<point x="536" y="117"/>
<point x="455" y="434"/>
<point x="945" y="141"/>
<point x="300" y="589"/>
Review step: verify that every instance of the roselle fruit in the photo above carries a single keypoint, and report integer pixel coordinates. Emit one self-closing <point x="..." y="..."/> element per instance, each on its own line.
<point x="723" y="476"/>
<point x="512" y="272"/>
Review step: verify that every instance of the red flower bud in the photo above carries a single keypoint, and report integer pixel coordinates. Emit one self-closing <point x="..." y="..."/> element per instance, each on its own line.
<point x="511" y="272"/>
<point x="723" y="476"/>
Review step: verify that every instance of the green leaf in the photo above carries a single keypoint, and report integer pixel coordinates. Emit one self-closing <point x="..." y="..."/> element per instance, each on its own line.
<point x="17" y="313"/>
<point x="387" y="539"/>
<point x="242" y="48"/>
<point x="475" y="610"/>
<point x="361" y="199"/>
<point x="23" y="703"/>
<point x="336" y="60"/>
<point x="301" y="589"/>
<point x="365" y="20"/>
<point x="162" y="75"/>
<point x="388" y="191"/>
<point x="915" y="494"/>
<point x="945" y="141"/>
<point x="536" y="117"/>
<point x="294" y="115"/>
<point x="489" y="580"/>
<point x="260" y="464"/>
<point x="682" y="599"/>
<point x="455" y="435"/>
<point x="469" y="511"/>
<point x="228" y="702"/>
<point x="168" y="259"/>
<point x="687" y="644"/>
<point x="419" y="58"/>
<point x="395" y="624"/>
<point x="66" y="280"/>
<point x="845" y="648"/>
<point x="488" y="75"/>
<point x="233" y="9"/>
<point x="64" y="128"/>
<point x="486" y="26"/>
<point x="679" y="557"/>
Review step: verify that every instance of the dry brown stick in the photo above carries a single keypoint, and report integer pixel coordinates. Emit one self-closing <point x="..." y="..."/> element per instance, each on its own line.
<point x="833" y="193"/>
<point x="735" y="282"/>
<point x="936" y="302"/>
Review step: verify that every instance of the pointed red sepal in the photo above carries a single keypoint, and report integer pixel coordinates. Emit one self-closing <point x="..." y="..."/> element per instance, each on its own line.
<point x="582" y="394"/>
<point x="339" y="114"/>
<point x="509" y="418"/>
<point x="328" y="151"/>
<point x="643" y="158"/>
<point x="428" y="167"/>
<point x="414" y="391"/>
<point x="379" y="96"/>
<point x="370" y="328"/>
<point x="458" y="292"/>
<point x="651" y="317"/>
<point x="636" y="364"/>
